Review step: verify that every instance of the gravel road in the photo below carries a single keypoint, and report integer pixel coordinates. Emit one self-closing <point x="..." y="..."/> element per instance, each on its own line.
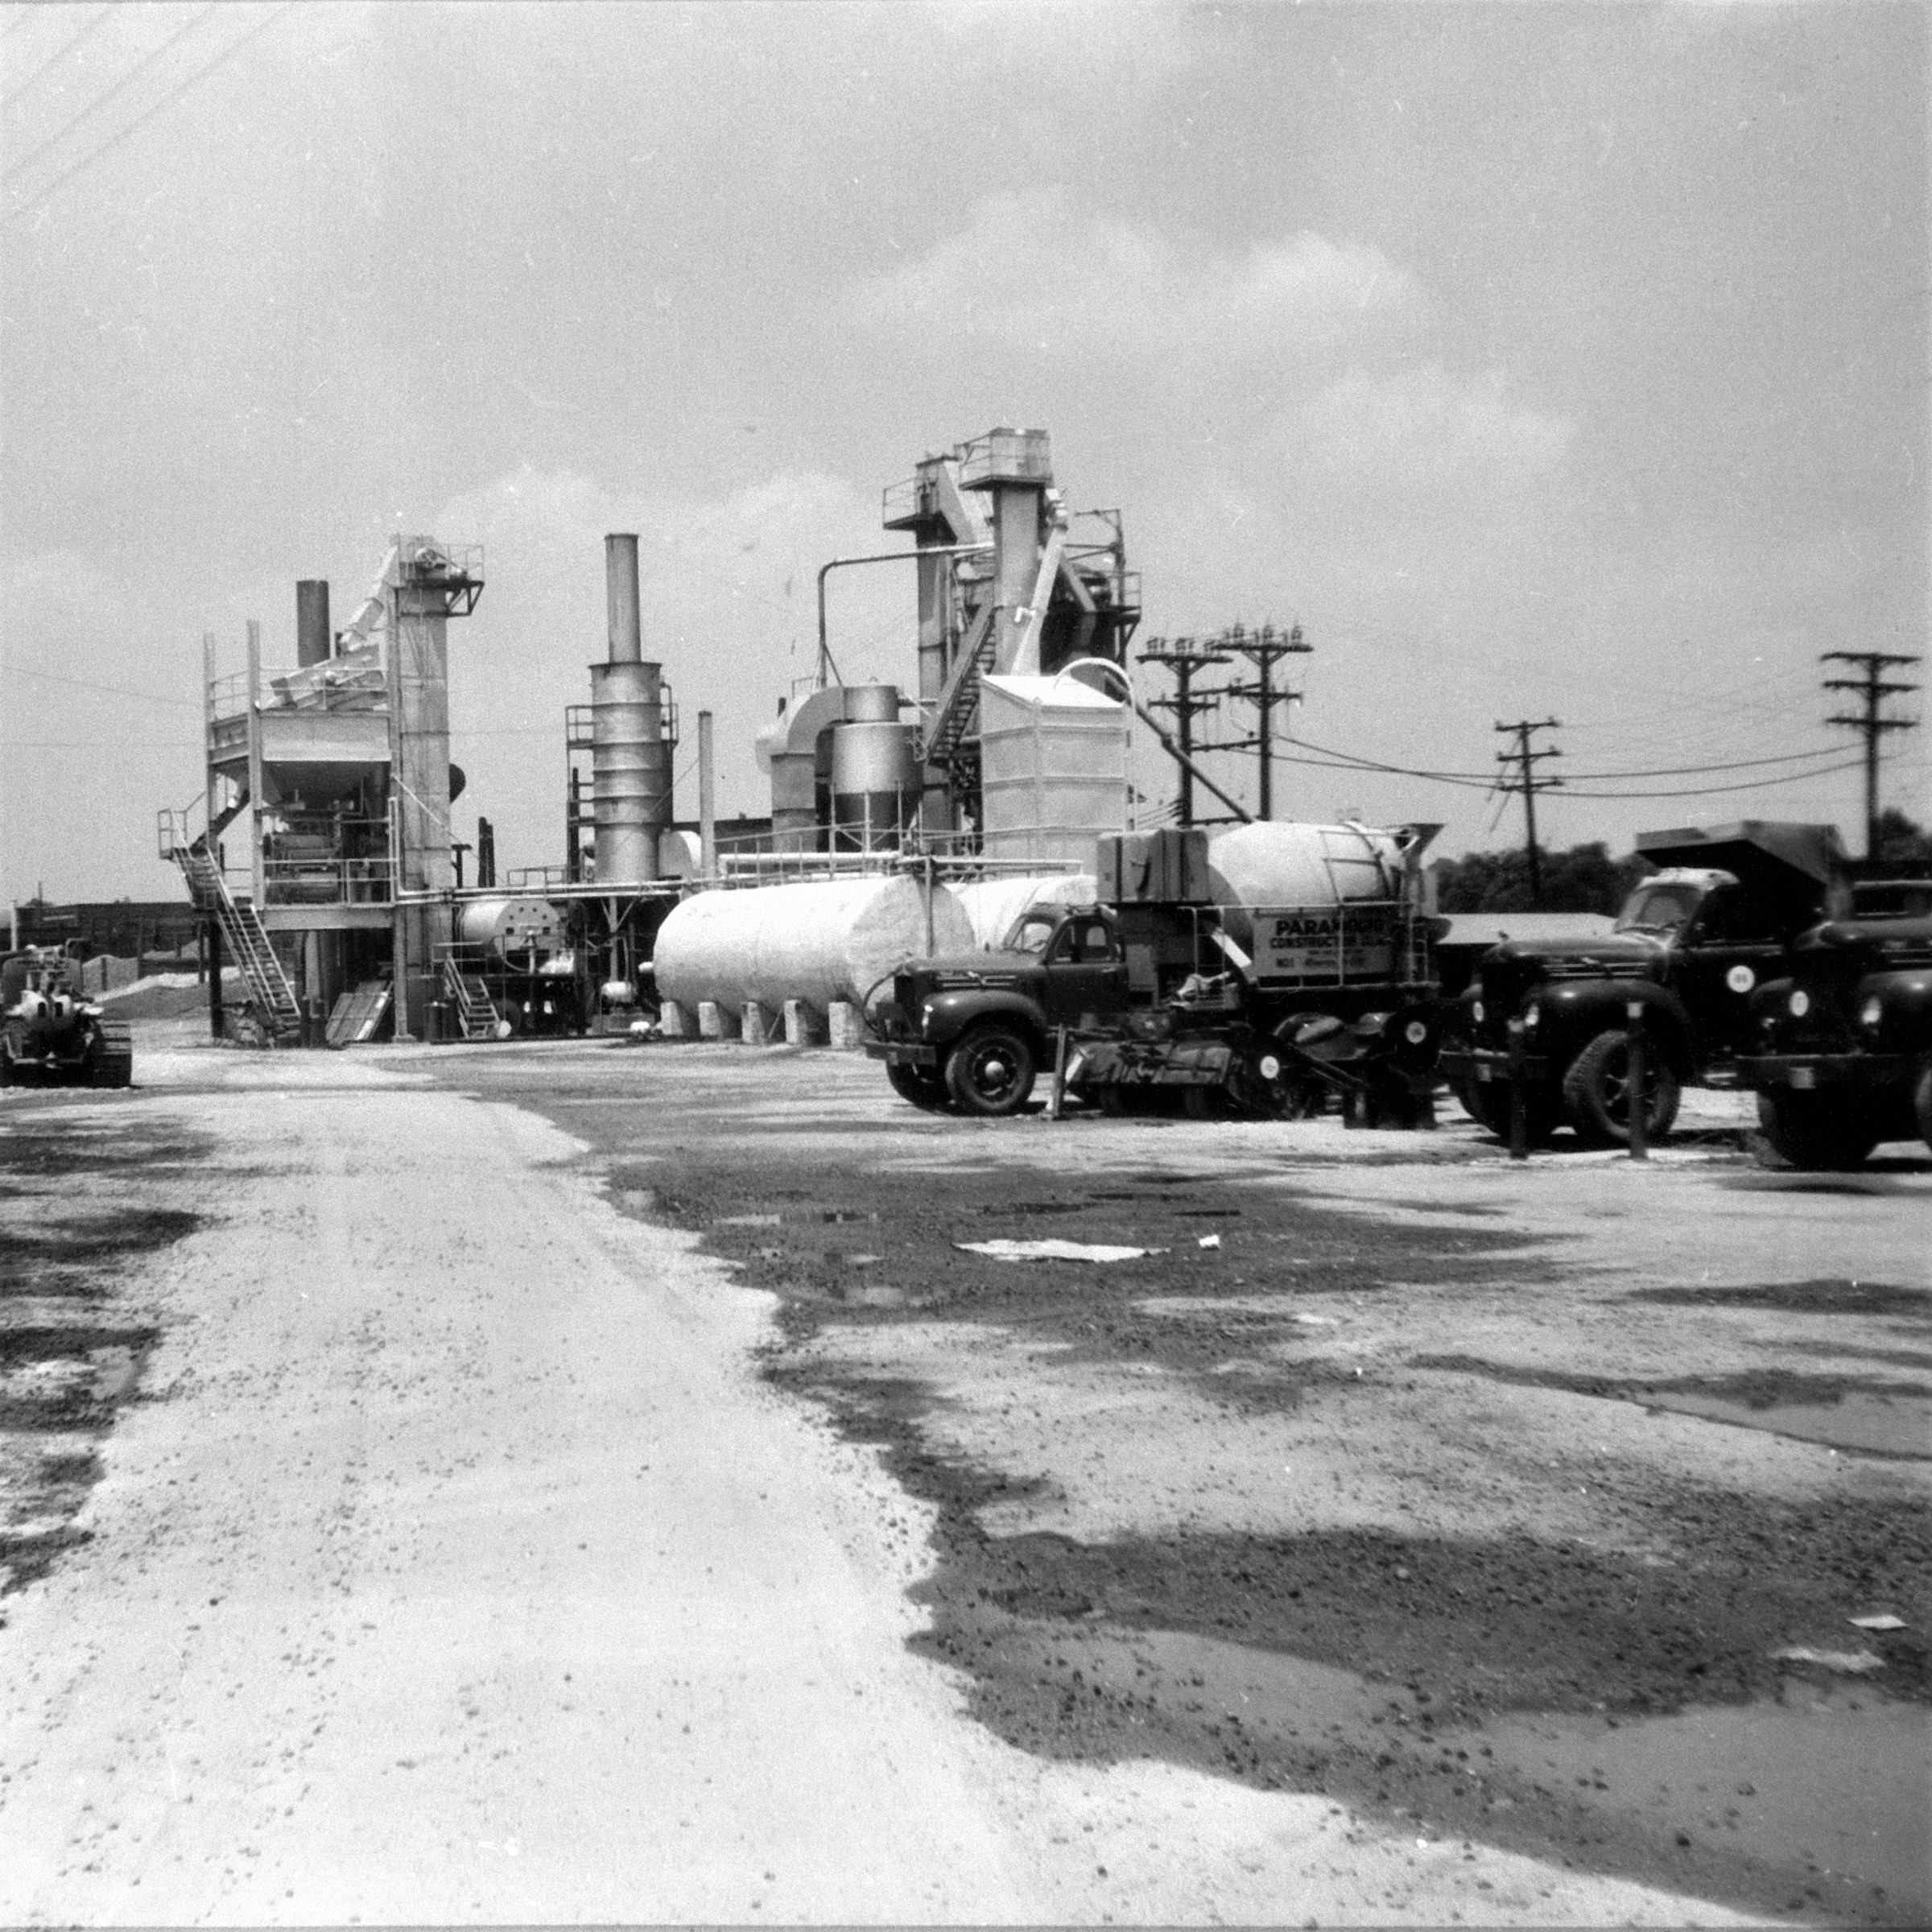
<point x="397" y="1529"/>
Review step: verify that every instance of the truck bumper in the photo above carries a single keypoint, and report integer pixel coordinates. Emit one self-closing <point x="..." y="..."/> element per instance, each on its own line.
<point x="1483" y="1066"/>
<point x="1813" y="1072"/>
<point x="903" y="1053"/>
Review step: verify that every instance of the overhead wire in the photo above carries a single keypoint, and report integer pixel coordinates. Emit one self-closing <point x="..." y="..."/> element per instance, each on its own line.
<point x="118" y="691"/>
<point x="174" y="93"/>
<point x="54" y="58"/>
<point x="101" y="100"/>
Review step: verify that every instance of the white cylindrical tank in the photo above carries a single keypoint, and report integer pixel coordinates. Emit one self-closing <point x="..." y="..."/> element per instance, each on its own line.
<point x="993" y="905"/>
<point x="1274" y="863"/>
<point x="511" y="927"/>
<point x="822" y="940"/>
<point x="875" y="784"/>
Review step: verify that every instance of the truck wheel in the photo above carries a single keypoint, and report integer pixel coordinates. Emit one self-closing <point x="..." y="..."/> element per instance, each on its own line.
<point x="7" y="1075"/>
<point x="1596" y="1091"/>
<point x="990" y="1072"/>
<point x="111" y="1063"/>
<point x="924" y="1089"/>
<point x="1815" y="1130"/>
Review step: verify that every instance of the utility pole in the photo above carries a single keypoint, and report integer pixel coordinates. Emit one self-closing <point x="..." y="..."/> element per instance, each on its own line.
<point x="1526" y="759"/>
<point x="1184" y="658"/>
<point x="1874" y="687"/>
<point x="1263" y="649"/>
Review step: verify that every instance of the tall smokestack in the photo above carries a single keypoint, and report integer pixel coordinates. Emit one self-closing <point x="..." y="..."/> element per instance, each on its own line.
<point x="620" y="592"/>
<point x="313" y="643"/>
<point x="630" y="760"/>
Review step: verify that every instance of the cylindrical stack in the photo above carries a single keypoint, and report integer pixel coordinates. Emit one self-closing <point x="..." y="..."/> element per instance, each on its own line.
<point x="313" y="643"/>
<point x="875" y="786"/>
<point x="630" y="762"/>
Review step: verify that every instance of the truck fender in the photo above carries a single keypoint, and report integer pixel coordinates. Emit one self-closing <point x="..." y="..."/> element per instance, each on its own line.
<point x="1575" y="1012"/>
<point x="954" y="1011"/>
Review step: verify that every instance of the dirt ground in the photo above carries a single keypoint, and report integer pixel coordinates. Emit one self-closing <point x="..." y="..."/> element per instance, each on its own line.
<point x="1406" y="1534"/>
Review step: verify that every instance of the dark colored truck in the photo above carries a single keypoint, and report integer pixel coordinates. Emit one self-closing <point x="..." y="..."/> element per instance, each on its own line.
<point x="1843" y="1057"/>
<point x="1691" y="946"/>
<point x="1152" y="991"/>
<point x="48" y="1032"/>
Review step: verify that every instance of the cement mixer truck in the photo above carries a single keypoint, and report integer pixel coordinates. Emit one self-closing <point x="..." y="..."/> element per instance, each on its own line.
<point x="48" y="1032"/>
<point x="1262" y="973"/>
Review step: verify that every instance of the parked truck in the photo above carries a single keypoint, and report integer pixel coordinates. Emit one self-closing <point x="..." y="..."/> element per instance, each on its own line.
<point x="1692" y="945"/>
<point x="1843" y="1055"/>
<point x="1282" y="966"/>
<point x="49" y="1032"/>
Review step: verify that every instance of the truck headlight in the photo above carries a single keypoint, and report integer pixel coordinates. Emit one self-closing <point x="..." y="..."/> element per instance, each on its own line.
<point x="1477" y="1013"/>
<point x="1799" y="1004"/>
<point x="1871" y="1013"/>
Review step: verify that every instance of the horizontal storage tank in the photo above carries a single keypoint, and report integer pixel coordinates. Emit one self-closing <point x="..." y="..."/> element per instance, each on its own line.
<point x="1275" y="865"/>
<point x="511" y="928"/>
<point x="819" y="941"/>
<point x="993" y="905"/>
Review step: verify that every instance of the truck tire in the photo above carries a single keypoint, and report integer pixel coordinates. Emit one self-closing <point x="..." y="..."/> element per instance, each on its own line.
<point x="1815" y="1130"/>
<point x="7" y="1075"/>
<point x="990" y="1072"/>
<point x="1596" y="1091"/>
<point x="924" y="1089"/>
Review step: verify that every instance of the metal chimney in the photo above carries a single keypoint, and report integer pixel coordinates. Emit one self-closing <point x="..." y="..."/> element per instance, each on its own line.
<point x="630" y="761"/>
<point x="313" y="643"/>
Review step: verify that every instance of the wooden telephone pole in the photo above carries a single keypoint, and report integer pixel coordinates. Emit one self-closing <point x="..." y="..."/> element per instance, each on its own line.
<point x="1526" y="760"/>
<point x="1264" y="649"/>
<point x="1184" y="658"/>
<point x="1874" y="687"/>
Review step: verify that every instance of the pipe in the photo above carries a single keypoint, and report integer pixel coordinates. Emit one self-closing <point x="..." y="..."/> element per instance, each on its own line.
<point x="313" y="643"/>
<point x="1167" y="744"/>
<point x="708" y="806"/>
<point x="883" y="556"/>
<point x="626" y="627"/>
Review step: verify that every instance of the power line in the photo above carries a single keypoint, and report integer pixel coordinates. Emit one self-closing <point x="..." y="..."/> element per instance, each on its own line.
<point x="54" y="58"/>
<point x="1874" y="687"/>
<point x="101" y="100"/>
<point x="1484" y="781"/>
<point x="174" y="93"/>
<point x="118" y="691"/>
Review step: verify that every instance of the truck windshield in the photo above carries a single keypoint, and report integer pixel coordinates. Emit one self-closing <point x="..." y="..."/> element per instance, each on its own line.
<point x="1032" y="933"/>
<point x="1659" y="909"/>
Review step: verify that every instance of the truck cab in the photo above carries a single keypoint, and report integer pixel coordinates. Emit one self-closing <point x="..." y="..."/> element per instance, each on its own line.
<point x="1691" y="945"/>
<point x="1842" y="1058"/>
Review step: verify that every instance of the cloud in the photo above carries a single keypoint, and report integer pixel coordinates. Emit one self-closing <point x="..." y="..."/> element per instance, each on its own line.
<point x="1028" y="272"/>
<point x="1424" y="431"/>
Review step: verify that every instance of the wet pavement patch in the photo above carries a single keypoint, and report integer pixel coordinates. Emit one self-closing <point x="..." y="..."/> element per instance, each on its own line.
<point x="1833" y="1294"/>
<point x="1872" y="1415"/>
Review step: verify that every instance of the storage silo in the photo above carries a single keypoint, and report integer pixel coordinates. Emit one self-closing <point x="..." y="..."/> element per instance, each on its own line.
<point x="630" y="758"/>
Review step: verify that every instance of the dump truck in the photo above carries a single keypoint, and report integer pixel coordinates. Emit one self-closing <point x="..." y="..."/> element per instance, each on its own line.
<point x="1843" y="1059"/>
<point x="1691" y="947"/>
<point x="1283" y="966"/>
<point x="48" y="1032"/>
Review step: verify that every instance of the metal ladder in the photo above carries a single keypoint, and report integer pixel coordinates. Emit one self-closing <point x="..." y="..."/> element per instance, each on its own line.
<point x="476" y="1011"/>
<point x="960" y="700"/>
<point x="269" y="991"/>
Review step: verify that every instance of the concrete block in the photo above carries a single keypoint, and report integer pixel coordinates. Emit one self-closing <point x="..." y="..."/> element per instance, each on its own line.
<point x="802" y="1025"/>
<point x="752" y="1026"/>
<point x="716" y="1022"/>
<point x="845" y="1025"/>
<point x="673" y="1023"/>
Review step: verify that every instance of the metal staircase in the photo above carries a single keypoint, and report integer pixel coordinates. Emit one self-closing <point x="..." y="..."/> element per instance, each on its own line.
<point x="960" y="700"/>
<point x="476" y="1015"/>
<point x="247" y="939"/>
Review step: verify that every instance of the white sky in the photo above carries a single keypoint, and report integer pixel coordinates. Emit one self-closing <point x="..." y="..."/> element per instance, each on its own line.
<point x="1540" y="360"/>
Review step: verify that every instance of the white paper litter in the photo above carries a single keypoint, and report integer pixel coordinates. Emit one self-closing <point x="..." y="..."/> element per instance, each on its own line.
<point x="1881" y="1622"/>
<point x="1054" y="1251"/>
<point x="1852" y="1663"/>
<point x="1209" y="1240"/>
